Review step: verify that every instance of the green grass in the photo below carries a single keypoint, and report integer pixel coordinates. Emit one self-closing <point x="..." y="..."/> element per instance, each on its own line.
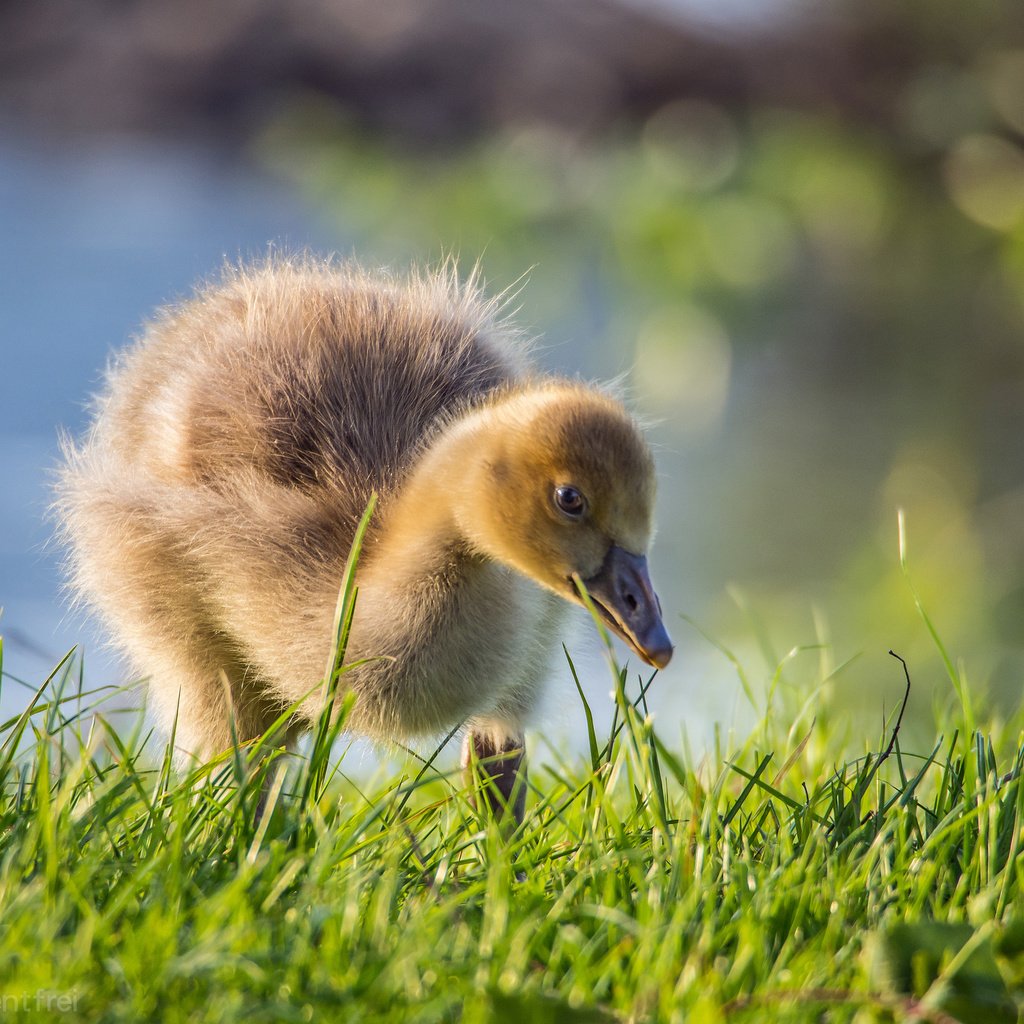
<point x="771" y="882"/>
<point x="765" y="885"/>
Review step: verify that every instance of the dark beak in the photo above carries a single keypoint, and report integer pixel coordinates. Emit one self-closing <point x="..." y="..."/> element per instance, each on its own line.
<point x="622" y="594"/>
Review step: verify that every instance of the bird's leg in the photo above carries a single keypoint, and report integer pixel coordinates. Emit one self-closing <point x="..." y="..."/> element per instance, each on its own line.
<point x="494" y="763"/>
<point x="279" y="750"/>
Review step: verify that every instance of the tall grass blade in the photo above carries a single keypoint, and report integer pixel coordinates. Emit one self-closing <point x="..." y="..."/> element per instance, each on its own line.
<point x="331" y="720"/>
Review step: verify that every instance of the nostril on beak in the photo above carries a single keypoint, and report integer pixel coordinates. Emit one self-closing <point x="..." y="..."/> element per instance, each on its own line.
<point x="631" y="601"/>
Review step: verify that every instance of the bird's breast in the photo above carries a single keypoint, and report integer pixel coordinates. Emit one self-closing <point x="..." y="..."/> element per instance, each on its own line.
<point x="449" y="650"/>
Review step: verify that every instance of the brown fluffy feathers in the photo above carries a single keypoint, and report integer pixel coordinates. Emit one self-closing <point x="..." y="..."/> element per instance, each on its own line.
<point x="211" y="507"/>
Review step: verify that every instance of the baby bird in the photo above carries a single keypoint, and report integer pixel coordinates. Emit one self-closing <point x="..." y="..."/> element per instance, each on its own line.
<point x="210" y="510"/>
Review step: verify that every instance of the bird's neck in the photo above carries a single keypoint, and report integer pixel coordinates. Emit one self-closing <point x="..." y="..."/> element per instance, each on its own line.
<point x="420" y="538"/>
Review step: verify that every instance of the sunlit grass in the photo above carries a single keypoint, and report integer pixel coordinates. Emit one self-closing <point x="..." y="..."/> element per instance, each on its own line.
<point x="756" y="884"/>
<point x="773" y="880"/>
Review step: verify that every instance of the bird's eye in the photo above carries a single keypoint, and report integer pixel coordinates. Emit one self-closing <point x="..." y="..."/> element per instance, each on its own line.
<point x="570" y="500"/>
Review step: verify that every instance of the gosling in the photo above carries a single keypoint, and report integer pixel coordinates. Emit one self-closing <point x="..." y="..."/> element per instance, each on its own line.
<point x="210" y="510"/>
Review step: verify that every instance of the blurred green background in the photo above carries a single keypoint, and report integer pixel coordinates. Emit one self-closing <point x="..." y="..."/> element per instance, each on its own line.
<point x="794" y="231"/>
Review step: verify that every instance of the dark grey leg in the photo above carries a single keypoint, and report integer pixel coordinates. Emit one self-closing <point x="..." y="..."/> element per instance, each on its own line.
<point x="270" y="781"/>
<point x="277" y="773"/>
<point x="502" y="779"/>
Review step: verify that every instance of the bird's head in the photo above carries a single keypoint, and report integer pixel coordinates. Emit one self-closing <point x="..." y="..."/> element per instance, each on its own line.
<point x="564" y="491"/>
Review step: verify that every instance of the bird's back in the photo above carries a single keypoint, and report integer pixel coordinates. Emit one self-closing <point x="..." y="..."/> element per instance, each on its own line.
<point x="309" y="376"/>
